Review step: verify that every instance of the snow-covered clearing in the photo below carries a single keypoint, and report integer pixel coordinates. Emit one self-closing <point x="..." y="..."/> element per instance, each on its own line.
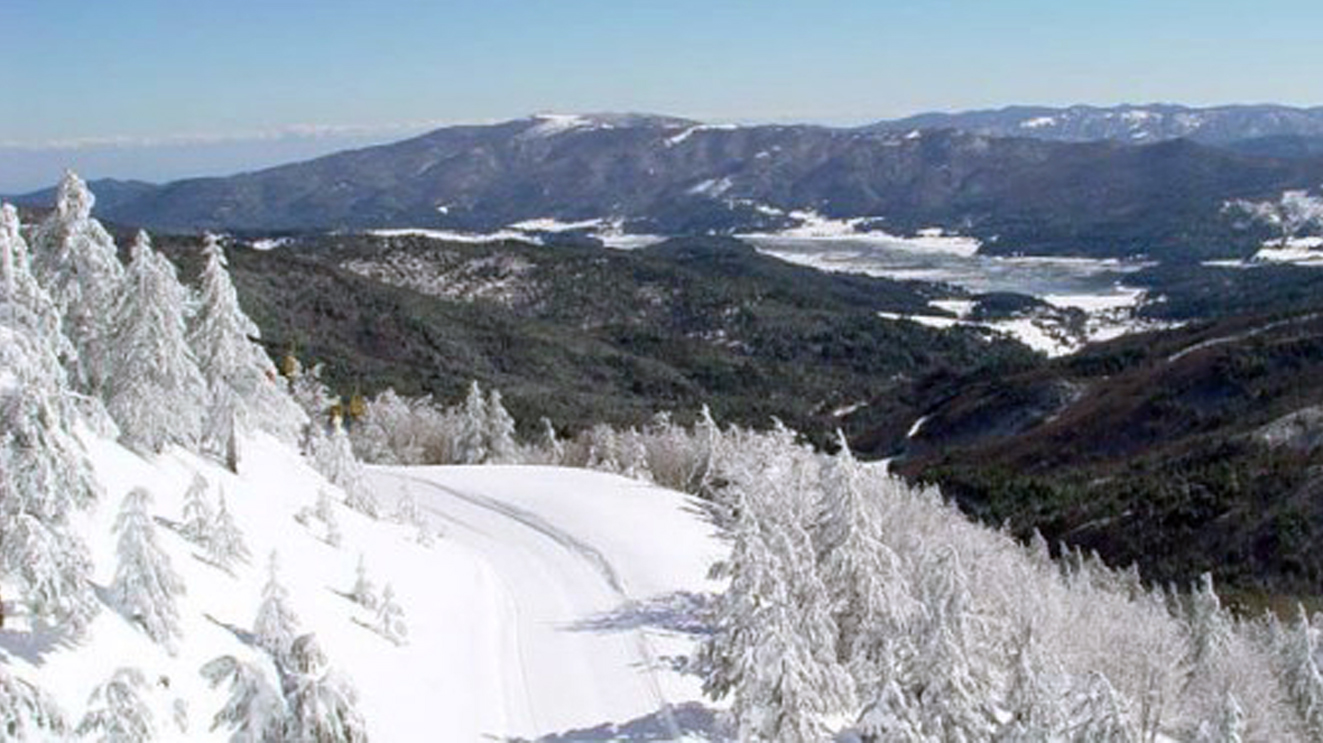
<point x="814" y="226"/>
<point x="544" y="608"/>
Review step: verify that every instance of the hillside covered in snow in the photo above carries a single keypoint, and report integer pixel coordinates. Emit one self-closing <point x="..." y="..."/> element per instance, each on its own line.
<point x="196" y="545"/>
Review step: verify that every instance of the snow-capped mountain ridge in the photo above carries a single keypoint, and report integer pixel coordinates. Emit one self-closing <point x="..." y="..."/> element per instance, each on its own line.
<point x="1218" y="125"/>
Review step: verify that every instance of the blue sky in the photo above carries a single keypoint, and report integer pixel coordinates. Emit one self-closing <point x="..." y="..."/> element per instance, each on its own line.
<point x="132" y="86"/>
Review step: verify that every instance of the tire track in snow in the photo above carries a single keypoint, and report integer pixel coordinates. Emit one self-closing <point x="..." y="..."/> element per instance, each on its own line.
<point x="584" y="551"/>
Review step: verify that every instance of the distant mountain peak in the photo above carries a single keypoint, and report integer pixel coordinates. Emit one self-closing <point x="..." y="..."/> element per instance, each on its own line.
<point x="548" y="124"/>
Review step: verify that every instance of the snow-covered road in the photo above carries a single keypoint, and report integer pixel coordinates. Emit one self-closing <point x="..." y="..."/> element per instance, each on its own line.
<point x="571" y="636"/>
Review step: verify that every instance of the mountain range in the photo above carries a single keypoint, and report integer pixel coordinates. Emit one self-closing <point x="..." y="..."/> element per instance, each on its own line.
<point x="1149" y="180"/>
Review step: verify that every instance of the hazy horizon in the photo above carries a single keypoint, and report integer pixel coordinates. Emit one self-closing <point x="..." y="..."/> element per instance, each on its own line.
<point x="157" y="90"/>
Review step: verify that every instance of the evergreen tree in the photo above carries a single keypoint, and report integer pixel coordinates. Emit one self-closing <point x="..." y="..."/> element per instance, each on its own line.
<point x="44" y="473"/>
<point x="953" y="694"/>
<point x="363" y="592"/>
<point x="390" y="617"/>
<point x="27" y="713"/>
<point x="240" y="378"/>
<point x="276" y="624"/>
<point x="75" y="259"/>
<point x="254" y="712"/>
<point x="198" y="519"/>
<point x="499" y="439"/>
<point x="225" y="545"/>
<point x="552" y="450"/>
<point x="890" y="716"/>
<point x="1301" y="674"/>
<point x="117" y="712"/>
<point x="870" y="597"/>
<point x="470" y="442"/>
<point x="333" y="456"/>
<point x="1102" y="715"/>
<point x="322" y="705"/>
<point x="155" y="393"/>
<point x="145" y="584"/>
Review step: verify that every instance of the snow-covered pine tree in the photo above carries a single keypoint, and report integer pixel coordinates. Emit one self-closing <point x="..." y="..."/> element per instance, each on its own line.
<point x="117" y="711"/>
<point x="1303" y="680"/>
<point x="364" y="592"/>
<point x="470" y="442"/>
<point x="871" y="600"/>
<point x="390" y="617"/>
<point x="550" y="447"/>
<point x="312" y="396"/>
<point x="1102" y="714"/>
<point x="890" y="716"/>
<point x="499" y="440"/>
<point x="155" y="391"/>
<point x="333" y="456"/>
<point x="767" y="651"/>
<point x="1036" y="708"/>
<point x="198" y="518"/>
<point x="322" y="705"/>
<point x="225" y="545"/>
<point x="75" y="260"/>
<point x="254" y="711"/>
<point x="239" y="375"/>
<point x="953" y="694"/>
<point x="275" y="626"/>
<point x="27" y="713"/>
<point x="145" y="584"/>
<point x="25" y="306"/>
<point x="44" y="474"/>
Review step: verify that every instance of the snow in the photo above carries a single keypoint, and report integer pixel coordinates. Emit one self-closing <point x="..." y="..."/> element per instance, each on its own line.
<point x="1122" y="297"/>
<point x="549" y="125"/>
<point x="711" y="187"/>
<point x="814" y="226"/>
<point x="271" y="243"/>
<point x="918" y="426"/>
<point x="527" y="618"/>
<point x="454" y="236"/>
<point x="551" y="224"/>
<point x="1038" y="122"/>
<point x="691" y="131"/>
<point x="1302" y="251"/>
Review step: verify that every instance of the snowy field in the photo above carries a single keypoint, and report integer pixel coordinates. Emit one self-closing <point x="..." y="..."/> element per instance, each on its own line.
<point x="553" y="604"/>
<point x="1095" y="286"/>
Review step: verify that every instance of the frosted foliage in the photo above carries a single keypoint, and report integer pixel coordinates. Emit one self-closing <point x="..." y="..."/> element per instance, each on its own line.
<point x="962" y="633"/>
<point x="470" y="444"/>
<point x="1295" y="213"/>
<point x="198" y="520"/>
<point x="225" y="546"/>
<point x="27" y="713"/>
<point x="24" y="304"/>
<point x="276" y="624"/>
<point x="156" y="393"/>
<point x="145" y="584"/>
<point x="44" y="477"/>
<point x="363" y="592"/>
<point x="254" y="710"/>
<point x="499" y="432"/>
<point x="333" y="456"/>
<point x="44" y="473"/>
<point x="322" y="705"/>
<point x="117" y="712"/>
<point x="773" y="650"/>
<point x="240" y="377"/>
<point x="390" y="617"/>
<point x="75" y="259"/>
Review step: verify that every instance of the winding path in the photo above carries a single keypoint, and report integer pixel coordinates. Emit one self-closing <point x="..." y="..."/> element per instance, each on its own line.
<point x="562" y="670"/>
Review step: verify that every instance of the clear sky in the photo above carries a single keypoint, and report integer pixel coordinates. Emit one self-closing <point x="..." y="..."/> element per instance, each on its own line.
<point x="139" y="82"/>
